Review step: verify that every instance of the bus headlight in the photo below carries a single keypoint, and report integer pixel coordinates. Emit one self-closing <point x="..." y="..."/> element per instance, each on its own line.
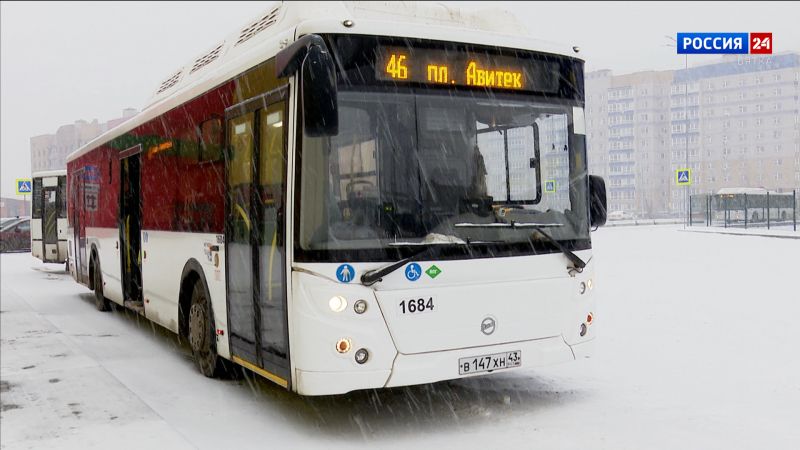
<point x="337" y="303"/>
<point x="360" y="306"/>
<point x="589" y="284"/>
<point x="362" y="355"/>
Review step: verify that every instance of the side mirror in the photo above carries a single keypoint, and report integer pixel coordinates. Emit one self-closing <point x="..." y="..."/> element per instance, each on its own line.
<point x="598" y="207"/>
<point x="310" y="55"/>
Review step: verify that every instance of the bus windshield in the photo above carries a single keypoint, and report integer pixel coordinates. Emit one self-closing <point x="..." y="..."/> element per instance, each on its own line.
<point x="409" y="168"/>
<point x="475" y="172"/>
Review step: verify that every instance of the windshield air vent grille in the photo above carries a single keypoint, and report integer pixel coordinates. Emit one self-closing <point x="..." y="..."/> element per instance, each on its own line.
<point x="169" y="82"/>
<point x="206" y="59"/>
<point x="258" y="26"/>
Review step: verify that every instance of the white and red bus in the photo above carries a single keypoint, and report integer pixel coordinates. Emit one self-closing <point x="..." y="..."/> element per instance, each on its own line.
<point x="343" y="196"/>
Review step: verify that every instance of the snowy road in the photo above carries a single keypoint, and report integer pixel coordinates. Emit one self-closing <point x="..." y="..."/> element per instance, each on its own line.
<point x="697" y="348"/>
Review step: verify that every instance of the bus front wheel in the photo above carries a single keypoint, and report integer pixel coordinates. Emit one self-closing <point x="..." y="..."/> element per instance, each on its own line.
<point x="202" y="338"/>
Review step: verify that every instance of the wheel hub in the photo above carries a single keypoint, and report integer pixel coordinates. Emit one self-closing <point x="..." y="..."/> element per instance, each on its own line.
<point x="197" y="321"/>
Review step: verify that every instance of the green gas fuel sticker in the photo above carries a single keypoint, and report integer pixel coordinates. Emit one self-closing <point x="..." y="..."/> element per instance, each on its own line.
<point x="433" y="271"/>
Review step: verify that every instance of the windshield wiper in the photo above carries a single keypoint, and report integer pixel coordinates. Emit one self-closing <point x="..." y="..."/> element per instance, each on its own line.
<point x="576" y="261"/>
<point x="371" y="277"/>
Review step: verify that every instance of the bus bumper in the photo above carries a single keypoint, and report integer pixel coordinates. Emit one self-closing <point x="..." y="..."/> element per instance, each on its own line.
<point x="437" y="366"/>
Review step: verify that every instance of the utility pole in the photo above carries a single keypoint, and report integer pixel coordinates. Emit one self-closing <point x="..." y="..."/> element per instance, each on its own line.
<point x="686" y="119"/>
<point x="686" y="113"/>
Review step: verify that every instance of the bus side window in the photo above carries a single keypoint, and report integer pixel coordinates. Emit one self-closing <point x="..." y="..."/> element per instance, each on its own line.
<point x="37" y="199"/>
<point x="211" y="140"/>
<point x="61" y="198"/>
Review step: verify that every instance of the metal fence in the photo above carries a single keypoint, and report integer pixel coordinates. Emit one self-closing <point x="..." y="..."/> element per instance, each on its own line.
<point x="769" y="210"/>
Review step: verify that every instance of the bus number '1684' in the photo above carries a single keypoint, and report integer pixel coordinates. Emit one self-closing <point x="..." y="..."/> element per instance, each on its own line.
<point x="418" y="305"/>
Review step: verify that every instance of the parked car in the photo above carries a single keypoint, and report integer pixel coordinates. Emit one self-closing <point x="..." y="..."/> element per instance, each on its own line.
<point x="15" y="235"/>
<point x="621" y="215"/>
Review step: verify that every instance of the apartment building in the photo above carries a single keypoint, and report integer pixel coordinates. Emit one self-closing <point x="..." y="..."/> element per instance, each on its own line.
<point x="49" y="151"/>
<point x="737" y="117"/>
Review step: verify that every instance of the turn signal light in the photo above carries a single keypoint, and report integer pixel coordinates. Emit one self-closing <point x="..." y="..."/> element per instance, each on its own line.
<point x="343" y="345"/>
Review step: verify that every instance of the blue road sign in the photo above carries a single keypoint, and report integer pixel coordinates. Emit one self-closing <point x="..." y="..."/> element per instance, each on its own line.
<point x="345" y="273"/>
<point x="413" y="272"/>
<point x="24" y="186"/>
<point x="683" y="177"/>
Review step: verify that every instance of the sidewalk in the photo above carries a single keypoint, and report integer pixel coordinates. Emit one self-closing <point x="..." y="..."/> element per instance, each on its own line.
<point x="763" y="232"/>
<point x="54" y="395"/>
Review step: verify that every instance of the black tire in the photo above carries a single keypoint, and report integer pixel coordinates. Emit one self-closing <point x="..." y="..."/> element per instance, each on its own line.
<point x="202" y="338"/>
<point x="100" y="300"/>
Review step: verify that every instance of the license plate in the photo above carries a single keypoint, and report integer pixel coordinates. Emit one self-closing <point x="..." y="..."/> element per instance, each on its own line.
<point x="488" y="363"/>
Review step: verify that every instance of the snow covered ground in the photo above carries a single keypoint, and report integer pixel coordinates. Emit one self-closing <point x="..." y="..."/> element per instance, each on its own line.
<point x="697" y="348"/>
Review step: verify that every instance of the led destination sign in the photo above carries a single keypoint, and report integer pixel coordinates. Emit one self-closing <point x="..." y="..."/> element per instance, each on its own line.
<point x="439" y="67"/>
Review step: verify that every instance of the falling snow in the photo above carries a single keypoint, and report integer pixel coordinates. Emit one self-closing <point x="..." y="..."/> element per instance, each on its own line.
<point x="695" y="350"/>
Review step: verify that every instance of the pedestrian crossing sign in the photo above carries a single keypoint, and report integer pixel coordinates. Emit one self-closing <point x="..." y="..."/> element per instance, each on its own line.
<point x="24" y="186"/>
<point x="683" y="177"/>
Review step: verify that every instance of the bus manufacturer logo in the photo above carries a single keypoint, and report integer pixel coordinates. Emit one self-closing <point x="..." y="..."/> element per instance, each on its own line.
<point x="488" y="326"/>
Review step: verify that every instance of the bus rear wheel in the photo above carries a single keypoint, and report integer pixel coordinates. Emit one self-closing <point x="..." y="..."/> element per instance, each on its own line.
<point x="100" y="300"/>
<point x="202" y="338"/>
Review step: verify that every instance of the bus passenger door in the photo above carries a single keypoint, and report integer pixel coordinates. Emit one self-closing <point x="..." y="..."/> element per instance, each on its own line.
<point x="130" y="229"/>
<point x="50" y="222"/>
<point x="255" y="235"/>
<point x="78" y="228"/>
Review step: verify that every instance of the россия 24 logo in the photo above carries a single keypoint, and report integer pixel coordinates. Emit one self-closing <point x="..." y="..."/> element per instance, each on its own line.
<point x="725" y="43"/>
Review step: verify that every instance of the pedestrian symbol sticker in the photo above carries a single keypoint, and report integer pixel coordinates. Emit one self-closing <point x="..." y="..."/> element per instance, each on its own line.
<point x="433" y="271"/>
<point x="683" y="177"/>
<point x="24" y="186"/>
<point x="550" y="185"/>
<point x="345" y="273"/>
<point x="413" y="272"/>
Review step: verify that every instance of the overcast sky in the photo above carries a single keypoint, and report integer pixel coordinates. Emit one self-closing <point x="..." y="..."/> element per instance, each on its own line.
<point x="67" y="61"/>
